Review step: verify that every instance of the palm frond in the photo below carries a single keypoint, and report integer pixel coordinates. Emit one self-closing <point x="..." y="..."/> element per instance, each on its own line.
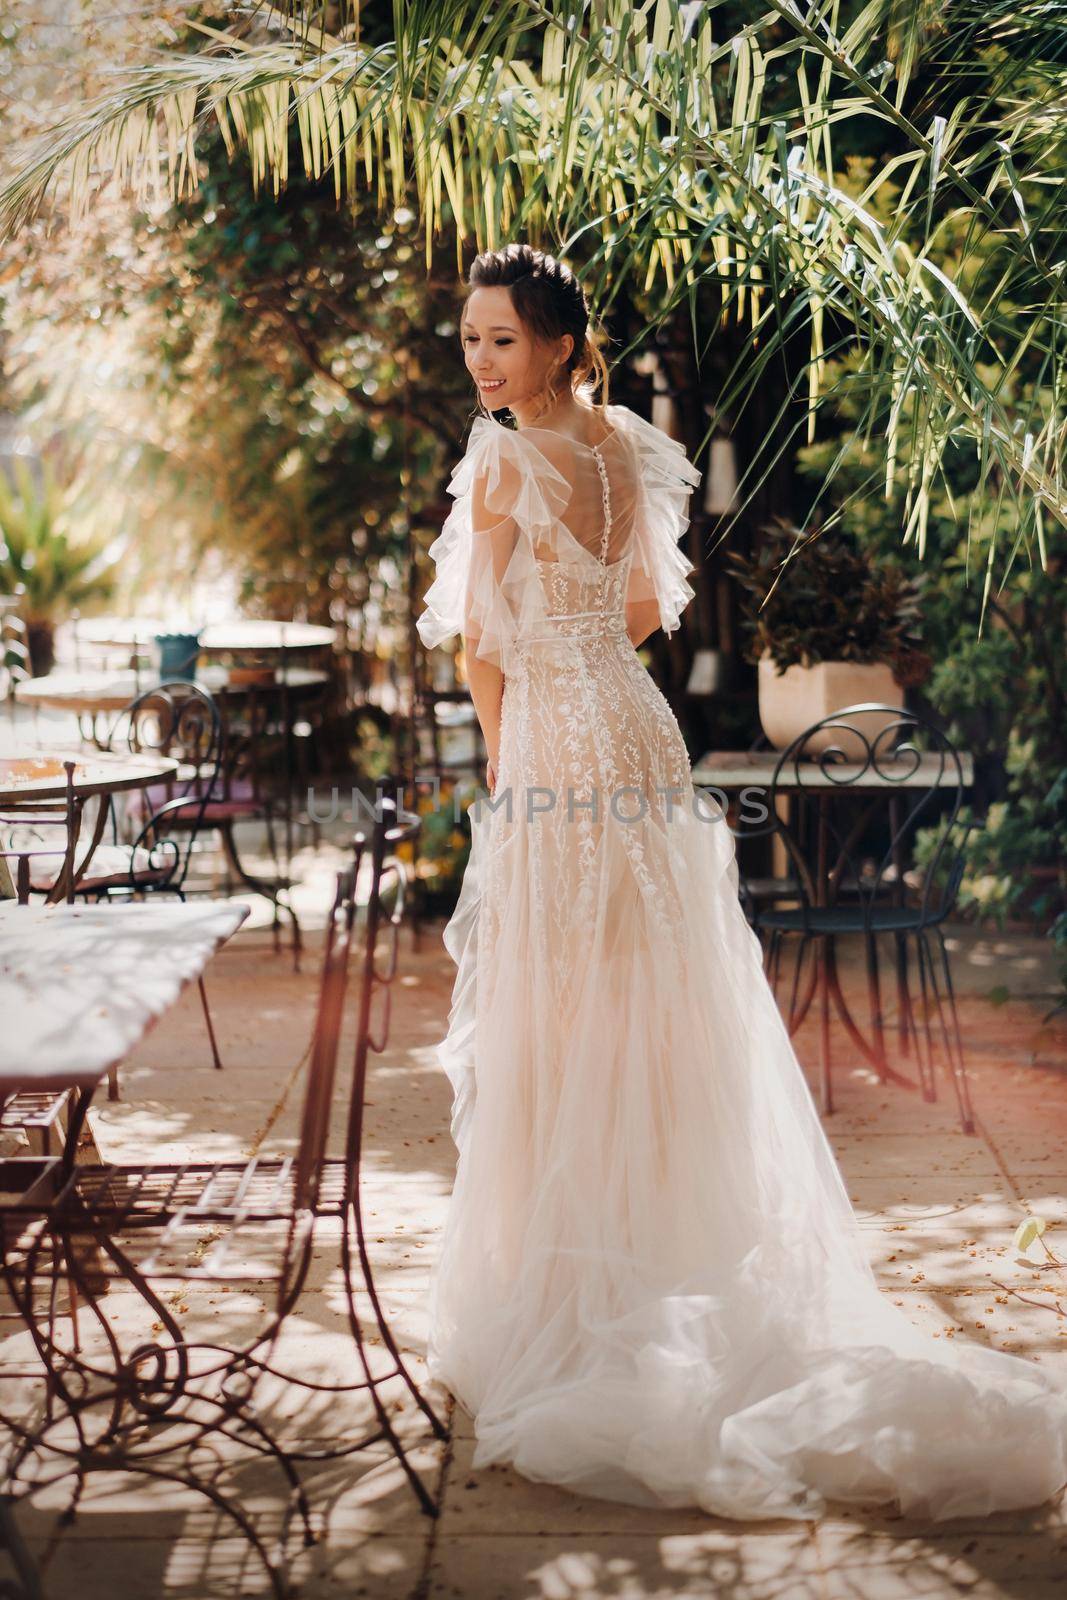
<point x="666" y="146"/>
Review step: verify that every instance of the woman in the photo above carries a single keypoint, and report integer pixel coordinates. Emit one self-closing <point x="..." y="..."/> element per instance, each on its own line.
<point x="651" y="1287"/>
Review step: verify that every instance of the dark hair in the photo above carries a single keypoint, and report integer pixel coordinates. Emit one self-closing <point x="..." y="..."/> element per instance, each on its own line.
<point x="549" y="302"/>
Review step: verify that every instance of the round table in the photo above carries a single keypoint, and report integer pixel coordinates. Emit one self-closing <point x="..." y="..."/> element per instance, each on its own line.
<point x="119" y="632"/>
<point x="256" y="635"/>
<point x="87" y="693"/>
<point x="33" y="779"/>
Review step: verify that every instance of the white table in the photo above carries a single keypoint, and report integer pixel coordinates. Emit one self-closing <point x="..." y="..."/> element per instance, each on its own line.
<point x="121" y="632"/>
<point x="81" y="985"/>
<point x="86" y="693"/>
<point x="254" y="634"/>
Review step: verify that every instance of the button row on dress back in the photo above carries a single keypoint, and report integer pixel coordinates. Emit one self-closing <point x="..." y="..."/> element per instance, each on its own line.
<point x="605" y="495"/>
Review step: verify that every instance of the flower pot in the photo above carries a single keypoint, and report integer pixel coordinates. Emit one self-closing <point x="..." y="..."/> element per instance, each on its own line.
<point x="792" y="701"/>
<point x="178" y="653"/>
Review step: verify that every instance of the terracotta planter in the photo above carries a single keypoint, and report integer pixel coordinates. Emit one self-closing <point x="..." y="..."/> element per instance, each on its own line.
<point x="793" y="700"/>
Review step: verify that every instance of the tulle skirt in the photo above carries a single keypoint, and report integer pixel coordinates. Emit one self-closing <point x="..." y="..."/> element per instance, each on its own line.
<point x="651" y="1286"/>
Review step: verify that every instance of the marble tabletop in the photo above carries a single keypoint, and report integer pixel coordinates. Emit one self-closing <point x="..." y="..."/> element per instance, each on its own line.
<point x="81" y="985"/>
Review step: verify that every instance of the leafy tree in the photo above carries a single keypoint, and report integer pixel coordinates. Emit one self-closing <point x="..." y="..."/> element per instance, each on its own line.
<point x="709" y="142"/>
<point x="1000" y="689"/>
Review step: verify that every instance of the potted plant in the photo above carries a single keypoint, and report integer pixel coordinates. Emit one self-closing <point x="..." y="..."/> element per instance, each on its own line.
<point x="51" y="569"/>
<point x="827" y="628"/>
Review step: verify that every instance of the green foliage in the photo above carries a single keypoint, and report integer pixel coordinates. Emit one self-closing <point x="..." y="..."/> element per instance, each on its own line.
<point x="697" y="151"/>
<point x="316" y="379"/>
<point x="999" y="689"/>
<point x="374" y="755"/>
<point x="822" y="599"/>
<point x="444" y="844"/>
<point x="41" y="553"/>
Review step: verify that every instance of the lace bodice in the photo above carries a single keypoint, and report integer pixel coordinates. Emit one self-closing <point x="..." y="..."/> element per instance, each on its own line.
<point x="552" y="538"/>
<point x="578" y="605"/>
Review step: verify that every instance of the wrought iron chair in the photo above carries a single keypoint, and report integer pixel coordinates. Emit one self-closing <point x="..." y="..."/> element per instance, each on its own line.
<point x="852" y="847"/>
<point x="240" y="793"/>
<point x="36" y="832"/>
<point x="258" y="737"/>
<point x="254" y="1220"/>
<point x="758" y="891"/>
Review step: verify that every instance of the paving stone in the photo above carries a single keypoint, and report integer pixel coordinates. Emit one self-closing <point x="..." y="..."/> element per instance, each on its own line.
<point x="775" y="1564"/>
<point x="861" y="1565"/>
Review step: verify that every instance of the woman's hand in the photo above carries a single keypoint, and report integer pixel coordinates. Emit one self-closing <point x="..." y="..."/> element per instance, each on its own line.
<point x="490" y="777"/>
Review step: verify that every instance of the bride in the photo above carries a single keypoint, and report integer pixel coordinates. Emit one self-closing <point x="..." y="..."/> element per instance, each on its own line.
<point x="651" y="1286"/>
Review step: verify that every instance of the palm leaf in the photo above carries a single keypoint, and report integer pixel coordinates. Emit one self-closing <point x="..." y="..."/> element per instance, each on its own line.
<point x="675" y="154"/>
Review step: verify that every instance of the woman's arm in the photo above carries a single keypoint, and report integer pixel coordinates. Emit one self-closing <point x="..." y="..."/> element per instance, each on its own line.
<point x="487" y="691"/>
<point x="642" y="619"/>
<point x="495" y="535"/>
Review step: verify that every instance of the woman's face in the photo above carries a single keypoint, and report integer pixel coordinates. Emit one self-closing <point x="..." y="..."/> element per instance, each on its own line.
<point x="507" y="365"/>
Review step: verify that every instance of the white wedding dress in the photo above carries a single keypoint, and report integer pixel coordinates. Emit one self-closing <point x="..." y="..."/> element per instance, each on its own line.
<point x="651" y="1286"/>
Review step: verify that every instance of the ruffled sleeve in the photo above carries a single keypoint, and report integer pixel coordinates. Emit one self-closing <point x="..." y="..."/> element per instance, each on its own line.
<point x="508" y="499"/>
<point x="666" y="479"/>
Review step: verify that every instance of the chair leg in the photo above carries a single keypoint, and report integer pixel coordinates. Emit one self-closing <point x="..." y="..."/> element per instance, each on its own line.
<point x="874" y="997"/>
<point x="793" y="1019"/>
<point x="210" y="1029"/>
<point x="924" y="1055"/>
<point x="298" y="938"/>
<point x="113" y="1083"/>
<point x="906" y="1029"/>
<point x="953" y="1036"/>
<point x="824" y="1027"/>
<point x="773" y="959"/>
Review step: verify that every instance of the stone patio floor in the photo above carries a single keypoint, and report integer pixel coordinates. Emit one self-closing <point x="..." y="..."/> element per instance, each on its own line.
<point x="938" y="1209"/>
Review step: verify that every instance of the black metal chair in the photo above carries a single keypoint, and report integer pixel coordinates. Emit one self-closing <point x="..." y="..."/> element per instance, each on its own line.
<point x="258" y="745"/>
<point x="851" y="842"/>
<point x="759" y="890"/>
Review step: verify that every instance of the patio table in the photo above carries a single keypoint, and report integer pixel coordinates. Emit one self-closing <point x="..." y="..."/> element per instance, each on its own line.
<point x="287" y="694"/>
<point x="119" y="631"/>
<point x="28" y="780"/>
<point x="96" y="693"/>
<point x="82" y="984"/>
<point x="263" y="636"/>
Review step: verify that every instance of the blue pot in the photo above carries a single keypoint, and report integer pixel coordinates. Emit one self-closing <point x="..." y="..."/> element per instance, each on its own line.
<point x="178" y="654"/>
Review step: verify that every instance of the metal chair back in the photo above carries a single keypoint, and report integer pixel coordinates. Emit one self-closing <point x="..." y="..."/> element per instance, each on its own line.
<point x="375" y="869"/>
<point x="854" y="842"/>
<point x="181" y="720"/>
<point x="29" y="820"/>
